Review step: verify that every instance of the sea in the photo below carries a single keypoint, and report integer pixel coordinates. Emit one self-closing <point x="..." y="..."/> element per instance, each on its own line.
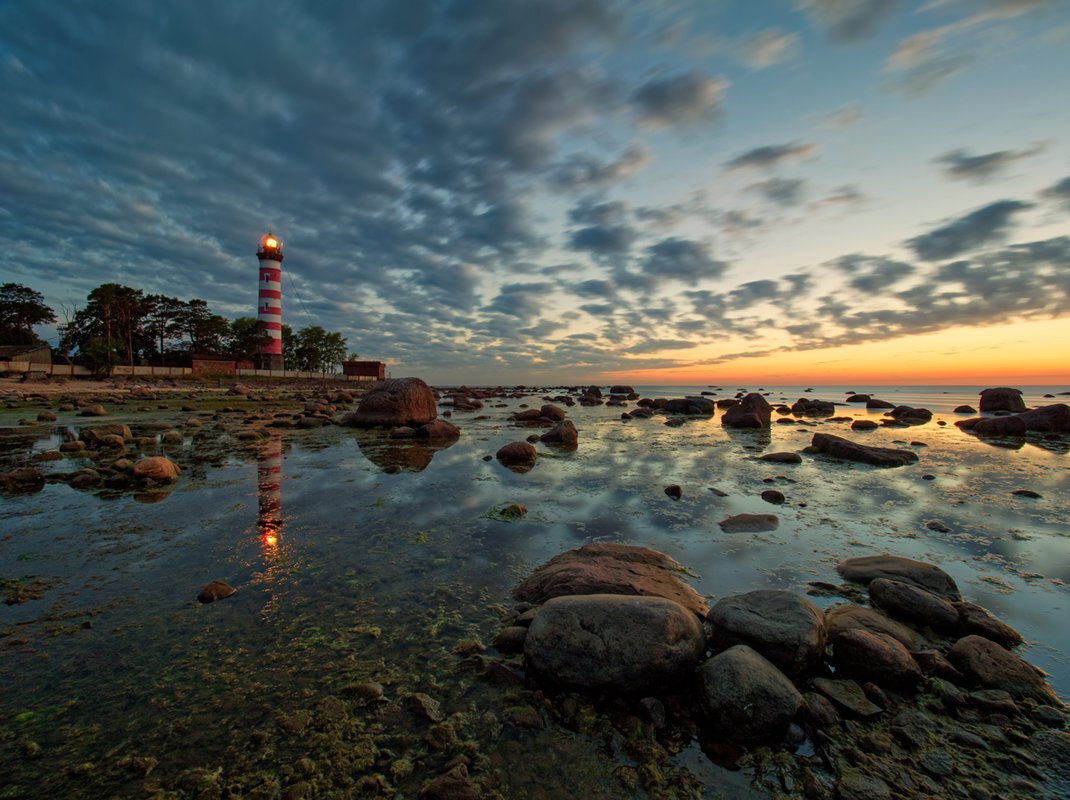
<point x="360" y="559"/>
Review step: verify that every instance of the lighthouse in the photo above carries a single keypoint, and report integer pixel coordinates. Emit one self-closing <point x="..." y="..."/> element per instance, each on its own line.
<point x="269" y="302"/>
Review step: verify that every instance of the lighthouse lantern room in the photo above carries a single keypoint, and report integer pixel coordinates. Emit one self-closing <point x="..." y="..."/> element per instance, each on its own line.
<point x="269" y="302"/>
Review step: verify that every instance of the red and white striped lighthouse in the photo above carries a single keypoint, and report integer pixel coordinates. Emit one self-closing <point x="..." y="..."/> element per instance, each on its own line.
<point x="269" y="303"/>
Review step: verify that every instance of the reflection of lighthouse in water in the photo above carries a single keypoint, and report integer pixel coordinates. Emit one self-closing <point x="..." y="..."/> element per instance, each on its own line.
<point x="269" y="490"/>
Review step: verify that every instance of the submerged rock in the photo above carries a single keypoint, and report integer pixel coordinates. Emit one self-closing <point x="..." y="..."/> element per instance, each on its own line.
<point x="564" y="434"/>
<point x="606" y="568"/>
<point x="782" y="458"/>
<point x="838" y="447"/>
<point x="930" y="577"/>
<point x="614" y="642"/>
<point x="438" y="430"/>
<point x="784" y="627"/>
<point x="749" y="523"/>
<point x="395" y="402"/>
<point x="745" y="695"/>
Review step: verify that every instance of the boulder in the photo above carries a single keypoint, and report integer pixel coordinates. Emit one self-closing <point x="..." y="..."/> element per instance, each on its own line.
<point x="859" y="398"/>
<point x="838" y="447"/>
<point x="784" y="627"/>
<point x="1002" y="398"/>
<point x="745" y="695"/>
<point x="92" y="436"/>
<point x="629" y="645"/>
<point x="964" y="410"/>
<point x="695" y="406"/>
<point x="621" y="390"/>
<point x="814" y="408"/>
<point x="749" y="523"/>
<point x="977" y="620"/>
<point x="564" y="433"/>
<point x="917" y="573"/>
<point x="517" y="455"/>
<point x="913" y="604"/>
<point x="157" y="468"/>
<point x="878" y="405"/>
<point x="1046" y="419"/>
<point x="848" y="694"/>
<point x="782" y="458"/>
<point x="875" y="657"/>
<point x="395" y="402"/>
<point x="911" y="415"/>
<point x="607" y="568"/>
<point x="753" y="411"/>
<point x="93" y="411"/>
<point x="216" y="590"/>
<point x="985" y="664"/>
<point x="438" y="430"/>
<point x="552" y="413"/>
<point x="864" y="425"/>
<point x="22" y="480"/>
<point x="846" y="617"/>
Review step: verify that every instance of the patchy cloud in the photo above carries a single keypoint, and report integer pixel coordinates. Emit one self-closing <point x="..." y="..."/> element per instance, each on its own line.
<point x="771" y="155"/>
<point x="848" y="20"/>
<point x="784" y="192"/>
<point x="847" y="195"/>
<point x="960" y="165"/>
<point x="685" y="99"/>
<point x="583" y="171"/>
<point x="984" y="226"/>
<point x="769" y="48"/>
<point x="682" y="259"/>
<point x="1059" y="192"/>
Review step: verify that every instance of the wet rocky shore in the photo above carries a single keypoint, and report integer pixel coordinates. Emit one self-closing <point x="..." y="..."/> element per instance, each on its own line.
<point x="879" y="677"/>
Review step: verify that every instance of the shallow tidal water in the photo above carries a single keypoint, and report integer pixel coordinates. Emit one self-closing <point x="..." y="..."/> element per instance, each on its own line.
<point x="347" y="574"/>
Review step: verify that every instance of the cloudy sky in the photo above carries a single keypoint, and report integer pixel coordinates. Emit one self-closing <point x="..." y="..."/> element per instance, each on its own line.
<point x="491" y="191"/>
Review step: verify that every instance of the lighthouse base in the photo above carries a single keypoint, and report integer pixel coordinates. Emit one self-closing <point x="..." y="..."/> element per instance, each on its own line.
<point x="271" y="361"/>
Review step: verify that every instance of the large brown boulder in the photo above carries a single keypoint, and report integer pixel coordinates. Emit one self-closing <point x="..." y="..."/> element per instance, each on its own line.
<point x="630" y="645"/>
<point x="847" y="616"/>
<point x="745" y="695"/>
<point x="392" y="403"/>
<point x="608" y="568"/>
<point x="564" y="433"/>
<point x="22" y="480"/>
<point x="1002" y="398"/>
<point x="986" y="664"/>
<point x="157" y="468"/>
<point x="783" y="626"/>
<point x="438" y="430"/>
<point x="753" y="411"/>
<point x="694" y="406"/>
<point x="875" y="657"/>
<point x="977" y="620"/>
<point x="913" y="604"/>
<point x="838" y="447"/>
<point x="930" y="577"/>
<point x="517" y="456"/>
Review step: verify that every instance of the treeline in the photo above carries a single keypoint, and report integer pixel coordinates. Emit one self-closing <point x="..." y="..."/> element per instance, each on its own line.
<point x="123" y="325"/>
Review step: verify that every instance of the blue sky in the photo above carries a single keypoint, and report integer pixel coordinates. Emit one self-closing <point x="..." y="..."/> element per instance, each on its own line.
<point x="508" y="191"/>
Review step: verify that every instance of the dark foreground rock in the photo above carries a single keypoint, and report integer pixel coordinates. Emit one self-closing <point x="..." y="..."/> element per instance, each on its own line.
<point x="1002" y="398"/>
<point x="838" y="447"/>
<point x="846" y="617"/>
<point x="563" y="434"/>
<point x="988" y="665"/>
<point x="605" y="568"/>
<point x="693" y="406"/>
<point x="917" y="573"/>
<point x="746" y="696"/>
<point x="784" y="627"/>
<point x="753" y="411"/>
<point x="216" y="590"/>
<point x="627" y="644"/>
<point x="875" y="657"/>
<point x="1046" y="419"/>
<point x="913" y="604"/>
<point x="395" y="402"/>
<point x="517" y="456"/>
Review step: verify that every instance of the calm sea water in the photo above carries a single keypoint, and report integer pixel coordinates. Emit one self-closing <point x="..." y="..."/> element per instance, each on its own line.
<point x="346" y="573"/>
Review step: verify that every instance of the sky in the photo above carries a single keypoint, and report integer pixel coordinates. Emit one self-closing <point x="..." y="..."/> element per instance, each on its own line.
<point x="565" y="191"/>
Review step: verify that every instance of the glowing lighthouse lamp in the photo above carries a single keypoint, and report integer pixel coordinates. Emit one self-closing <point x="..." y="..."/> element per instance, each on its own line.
<point x="269" y="303"/>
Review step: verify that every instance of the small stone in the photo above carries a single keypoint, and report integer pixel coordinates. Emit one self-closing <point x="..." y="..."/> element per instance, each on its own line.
<point x="773" y="496"/>
<point x="511" y="639"/>
<point x="782" y="458"/>
<point x="216" y="590"/>
<point x="674" y="491"/>
<point x="1026" y="493"/>
<point x="424" y="706"/>
<point x="937" y="762"/>
<point x="369" y="690"/>
<point x="849" y="695"/>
